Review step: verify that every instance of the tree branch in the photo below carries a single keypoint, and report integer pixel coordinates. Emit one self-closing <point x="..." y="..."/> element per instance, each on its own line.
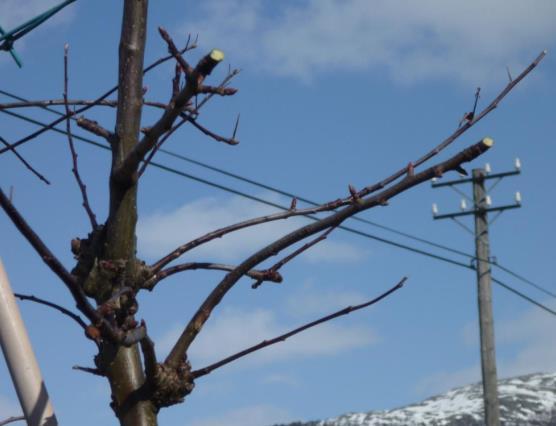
<point x="265" y="343"/>
<point x="274" y="268"/>
<point x="24" y="161"/>
<point x="11" y="420"/>
<point x="200" y="317"/>
<point x="91" y="370"/>
<point x="446" y="142"/>
<point x="194" y="80"/>
<point x="211" y="134"/>
<point x="185" y="119"/>
<point x="59" y="308"/>
<point x="97" y="101"/>
<point x="179" y="251"/>
<point x="265" y="275"/>
<point x="115" y="335"/>
<point x="96" y="129"/>
<point x="74" y="169"/>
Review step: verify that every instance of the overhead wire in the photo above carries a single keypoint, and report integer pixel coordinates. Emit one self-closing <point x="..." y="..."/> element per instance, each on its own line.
<point x="282" y="207"/>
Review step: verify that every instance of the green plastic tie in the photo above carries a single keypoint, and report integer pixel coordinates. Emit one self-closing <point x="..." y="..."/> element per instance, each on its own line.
<point x="8" y="39"/>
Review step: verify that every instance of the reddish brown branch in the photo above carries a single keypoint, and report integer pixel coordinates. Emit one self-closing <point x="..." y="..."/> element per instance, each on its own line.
<point x="91" y="370"/>
<point x="24" y="161"/>
<point x="59" y="308"/>
<point x="274" y="268"/>
<point x="216" y="137"/>
<point x="265" y="343"/>
<point x="200" y="317"/>
<point x="266" y="275"/>
<point x="11" y="420"/>
<point x="75" y="170"/>
<point x="459" y="131"/>
<point x="96" y="129"/>
<point x="179" y="251"/>
<point x="184" y="119"/>
<point x="218" y="90"/>
<point x="194" y="80"/>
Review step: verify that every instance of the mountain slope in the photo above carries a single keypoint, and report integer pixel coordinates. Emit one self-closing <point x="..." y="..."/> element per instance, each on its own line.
<point x="524" y="401"/>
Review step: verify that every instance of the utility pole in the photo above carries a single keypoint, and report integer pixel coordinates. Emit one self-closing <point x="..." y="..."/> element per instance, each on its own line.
<point x="481" y="207"/>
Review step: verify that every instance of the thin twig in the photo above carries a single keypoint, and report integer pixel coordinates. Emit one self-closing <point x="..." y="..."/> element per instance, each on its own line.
<point x="89" y="106"/>
<point x="446" y="142"/>
<point x="184" y="119"/>
<point x="59" y="308"/>
<point x="265" y="275"/>
<point x="91" y="370"/>
<point x="210" y="133"/>
<point x="11" y="420"/>
<point x="74" y="169"/>
<point x="274" y="268"/>
<point x="25" y="162"/>
<point x="194" y="80"/>
<point x="210" y="368"/>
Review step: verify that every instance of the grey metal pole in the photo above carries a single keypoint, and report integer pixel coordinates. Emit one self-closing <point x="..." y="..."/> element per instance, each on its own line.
<point x="21" y="360"/>
<point x="486" y="321"/>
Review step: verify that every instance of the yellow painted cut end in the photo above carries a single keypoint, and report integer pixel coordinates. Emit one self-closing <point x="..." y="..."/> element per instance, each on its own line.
<point x="217" y="55"/>
<point x="488" y="141"/>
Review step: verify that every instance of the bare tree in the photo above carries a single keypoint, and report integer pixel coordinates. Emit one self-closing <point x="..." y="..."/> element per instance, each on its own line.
<point x="108" y="276"/>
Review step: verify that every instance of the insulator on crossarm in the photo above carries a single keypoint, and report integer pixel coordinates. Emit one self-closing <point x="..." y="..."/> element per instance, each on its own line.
<point x="434" y="209"/>
<point x="518" y="197"/>
<point x="517" y="164"/>
<point x="463" y="205"/>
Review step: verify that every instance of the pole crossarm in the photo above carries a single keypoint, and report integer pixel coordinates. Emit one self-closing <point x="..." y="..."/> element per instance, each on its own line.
<point x="476" y="211"/>
<point x="470" y="180"/>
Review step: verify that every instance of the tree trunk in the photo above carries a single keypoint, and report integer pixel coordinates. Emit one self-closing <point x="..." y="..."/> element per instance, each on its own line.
<point x="123" y="365"/>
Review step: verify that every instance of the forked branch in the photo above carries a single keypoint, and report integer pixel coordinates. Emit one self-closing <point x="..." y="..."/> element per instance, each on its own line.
<point x="265" y="275"/>
<point x="90" y="104"/>
<point x="192" y="329"/>
<point x="194" y="80"/>
<point x="274" y="268"/>
<point x="446" y="142"/>
<point x="265" y="343"/>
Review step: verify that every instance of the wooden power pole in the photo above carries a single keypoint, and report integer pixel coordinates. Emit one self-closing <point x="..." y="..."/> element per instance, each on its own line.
<point x="484" y="292"/>
<point x="481" y="208"/>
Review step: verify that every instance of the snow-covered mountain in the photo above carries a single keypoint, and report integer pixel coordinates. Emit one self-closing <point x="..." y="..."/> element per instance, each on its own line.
<point x="524" y="401"/>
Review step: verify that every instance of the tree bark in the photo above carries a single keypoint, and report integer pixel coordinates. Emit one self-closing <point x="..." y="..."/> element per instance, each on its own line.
<point x="123" y="364"/>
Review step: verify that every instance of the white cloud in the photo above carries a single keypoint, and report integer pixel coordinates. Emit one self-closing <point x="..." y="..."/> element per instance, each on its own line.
<point x="161" y="232"/>
<point x="255" y="415"/>
<point x="234" y="330"/>
<point x="471" y="41"/>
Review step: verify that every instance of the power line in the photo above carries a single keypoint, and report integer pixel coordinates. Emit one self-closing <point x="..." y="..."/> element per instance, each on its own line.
<point x="276" y="205"/>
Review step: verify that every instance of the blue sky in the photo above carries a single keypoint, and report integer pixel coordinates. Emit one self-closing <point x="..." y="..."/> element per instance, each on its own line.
<point x="331" y="93"/>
